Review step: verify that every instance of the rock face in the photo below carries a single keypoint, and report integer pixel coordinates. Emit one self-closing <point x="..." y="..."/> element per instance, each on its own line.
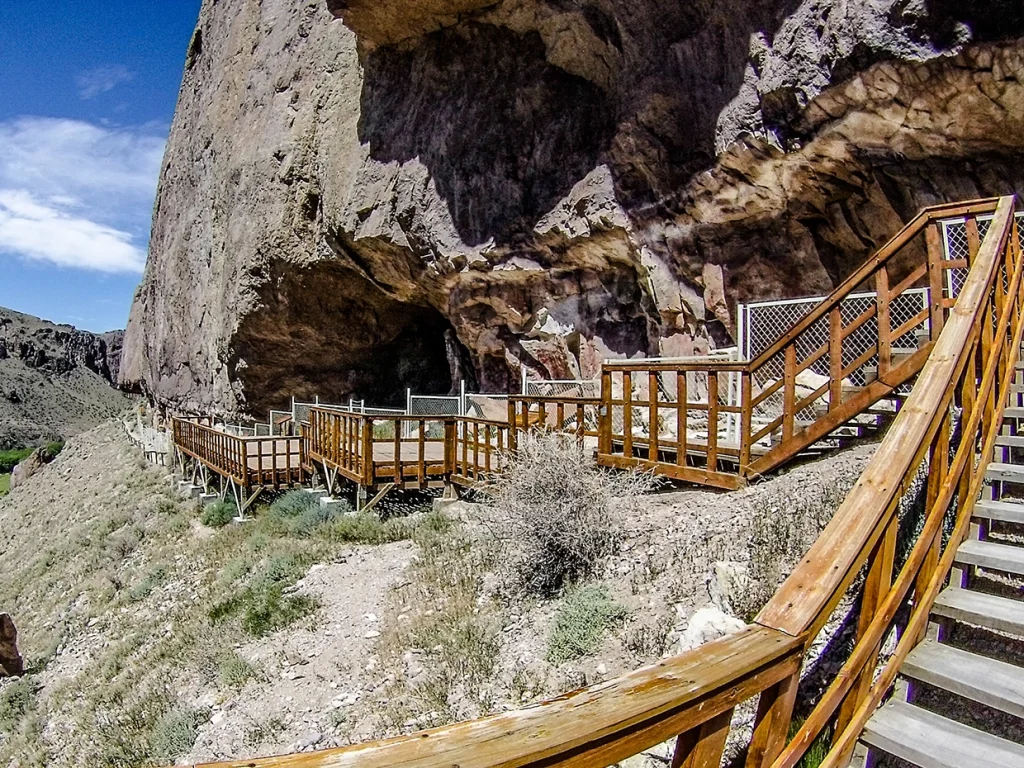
<point x="419" y="192"/>
<point x="55" y="380"/>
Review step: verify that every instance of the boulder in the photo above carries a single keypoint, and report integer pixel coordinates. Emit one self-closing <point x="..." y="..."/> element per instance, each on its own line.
<point x="28" y="466"/>
<point x="707" y="624"/>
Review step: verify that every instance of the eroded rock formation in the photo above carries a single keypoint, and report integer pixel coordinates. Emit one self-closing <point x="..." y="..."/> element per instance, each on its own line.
<point x="422" y="191"/>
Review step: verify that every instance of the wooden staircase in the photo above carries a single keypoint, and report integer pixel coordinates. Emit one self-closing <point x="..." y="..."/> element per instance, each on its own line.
<point x="986" y="594"/>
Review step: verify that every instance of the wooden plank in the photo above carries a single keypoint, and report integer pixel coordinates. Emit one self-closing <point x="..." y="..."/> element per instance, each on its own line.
<point x="699" y="475"/>
<point x="988" y="681"/>
<point x="980" y="609"/>
<point x="931" y="741"/>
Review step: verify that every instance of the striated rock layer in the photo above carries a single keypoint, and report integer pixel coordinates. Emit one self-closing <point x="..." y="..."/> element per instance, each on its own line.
<point x="421" y="191"/>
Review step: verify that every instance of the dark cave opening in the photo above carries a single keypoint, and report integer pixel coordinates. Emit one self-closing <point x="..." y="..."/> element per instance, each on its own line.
<point x="328" y="332"/>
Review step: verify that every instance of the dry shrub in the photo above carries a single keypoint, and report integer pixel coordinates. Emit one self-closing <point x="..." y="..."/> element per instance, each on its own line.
<point x="556" y="512"/>
<point x="782" y="531"/>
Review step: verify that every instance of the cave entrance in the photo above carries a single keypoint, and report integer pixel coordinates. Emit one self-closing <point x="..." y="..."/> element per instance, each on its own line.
<point x="328" y="332"/>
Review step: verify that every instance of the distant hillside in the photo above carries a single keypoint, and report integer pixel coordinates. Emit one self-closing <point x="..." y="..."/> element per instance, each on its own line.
<point x="55" y="380"/>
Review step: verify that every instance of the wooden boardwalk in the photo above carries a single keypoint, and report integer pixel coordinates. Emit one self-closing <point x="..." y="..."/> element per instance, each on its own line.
<point x="970" y="372"/>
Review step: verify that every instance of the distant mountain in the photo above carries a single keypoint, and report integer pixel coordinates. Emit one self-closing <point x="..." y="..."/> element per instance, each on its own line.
<point x="55" y="380"/>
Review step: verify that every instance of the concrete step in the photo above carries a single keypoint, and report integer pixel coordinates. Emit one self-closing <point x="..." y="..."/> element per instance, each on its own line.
<point x="991" y="555"/>
<point x="932" y="741"/>
<point x="998" y="472"/>
<point x="993" y="683"/>
<point x="1003" y="511"/>
<point x="999" y="613"/>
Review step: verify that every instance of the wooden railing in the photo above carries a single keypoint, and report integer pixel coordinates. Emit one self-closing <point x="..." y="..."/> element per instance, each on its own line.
<point x="251" y="462"/>
<point x="481" y="451"/>
<point x="576" y="415"/>
<point x="720" y="423"/>
<point x="408" y="451"/>
<point x="961" y="390"/>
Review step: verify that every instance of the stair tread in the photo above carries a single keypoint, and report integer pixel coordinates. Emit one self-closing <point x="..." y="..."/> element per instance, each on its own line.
<point x="1011" y="441"/>
<point x="1005" y="511"/>
<point x="1014" y="412"/>
<point x="990" y="554"/>
<point x="932" y="741"/>
<point x="977" y="608"/>
<point x="994" y="683"/>
<point x="997" y="470"/>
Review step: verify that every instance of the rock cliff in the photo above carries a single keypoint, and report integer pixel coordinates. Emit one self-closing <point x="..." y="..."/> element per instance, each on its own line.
<point x="55" y="380"/>
<point x="418" y="191"/>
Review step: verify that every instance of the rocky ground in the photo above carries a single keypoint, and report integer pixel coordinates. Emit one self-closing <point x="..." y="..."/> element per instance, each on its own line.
<point x="114" y="583"/>
<point x="55" y="380"/>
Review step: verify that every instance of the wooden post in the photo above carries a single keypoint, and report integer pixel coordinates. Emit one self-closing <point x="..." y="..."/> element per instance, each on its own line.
<point x="936" y="279"/>
<point x="604" y="414"/>
<point x="835" y="356"/>
<point x="398" y="451"/>
<point x="421" y="452"/>
<point x="884" y="323"/>
<point x="746" y="415"/>
<point x="702" y="747"/>
<point x="712" y="455"/>
<point x="681" y="418"/>
<point x="368" y="458"/>
<point x="876" y="588"/>
<point x="627" y="414"/>
<point x="771" y="724"/>
<point x="789" y="392"/>
<point x="652" y="415"/>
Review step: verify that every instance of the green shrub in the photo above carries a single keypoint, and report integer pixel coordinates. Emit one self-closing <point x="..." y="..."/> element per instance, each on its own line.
<point x="298" y="513"/>
<point x="175" y="733"/>
<point x="234" y="671"/>
<point x="5" y="484"/>
<point x="367" y="528"/>
<point x="16" y="701"/>
<point x="263" y="606"/>
<point x="53" y="449"/>
<point x="290" y="505"/>
<point x="153" y="579"/>
<point x="383" y="430"/>
<point x="581" y="622"/>
<point x="218" y="514"/>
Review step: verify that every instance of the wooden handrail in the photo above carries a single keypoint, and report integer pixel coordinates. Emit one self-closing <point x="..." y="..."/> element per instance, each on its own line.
<point x="820" y="579"/>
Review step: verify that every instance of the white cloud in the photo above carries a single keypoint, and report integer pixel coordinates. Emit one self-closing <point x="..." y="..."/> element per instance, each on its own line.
<point x="77" y="194"/>
<point x="102" y="79"/>
<point x="46" y="233"/>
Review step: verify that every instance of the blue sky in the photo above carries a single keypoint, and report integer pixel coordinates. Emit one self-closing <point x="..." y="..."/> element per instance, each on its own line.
<point x="86" y="100"/>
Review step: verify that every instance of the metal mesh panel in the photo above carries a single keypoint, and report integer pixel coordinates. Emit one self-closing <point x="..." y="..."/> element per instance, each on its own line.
<point x="483" y="406"/>
<point x="563" y="388"/>
<point x="954" y="242"/>
<point x="434" y="405"/>
<point x="262" y="430"/>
